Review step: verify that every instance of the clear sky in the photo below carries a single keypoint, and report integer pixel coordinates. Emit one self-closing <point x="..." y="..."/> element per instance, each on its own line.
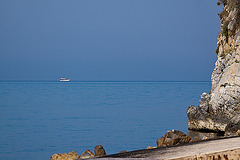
<point x="150" y="40"/>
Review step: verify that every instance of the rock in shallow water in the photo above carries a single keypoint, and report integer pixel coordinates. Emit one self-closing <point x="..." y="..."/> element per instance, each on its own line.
<point x="173" y="137"/>
<point x="87" y="154"/>
<point x="70" y="156"/>
<point x="99" y="151"/>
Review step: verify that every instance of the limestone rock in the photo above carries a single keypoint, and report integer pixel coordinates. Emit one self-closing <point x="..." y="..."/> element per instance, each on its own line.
<point x="192" y="112"/>
<point x="99" y="151"/>
<point x="238" y="133"/>
<point x="233" y="126"/>
<point x="217" y="108"/>
<point x="87" y="154"/>
<point x="151" y="147"/>
<point x="173" y="137"/>
<point x="70" y="156"/>
<point x="201" y="135"/>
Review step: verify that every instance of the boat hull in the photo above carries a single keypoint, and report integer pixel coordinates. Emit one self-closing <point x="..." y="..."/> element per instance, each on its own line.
<point x="67" y="80"/>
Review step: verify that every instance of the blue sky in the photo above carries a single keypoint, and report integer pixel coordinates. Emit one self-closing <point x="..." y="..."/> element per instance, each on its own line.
<point x="150" y="40"/>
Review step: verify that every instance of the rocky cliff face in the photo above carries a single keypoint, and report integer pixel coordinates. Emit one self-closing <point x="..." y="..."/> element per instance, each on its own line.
<point x="218" y="109"/>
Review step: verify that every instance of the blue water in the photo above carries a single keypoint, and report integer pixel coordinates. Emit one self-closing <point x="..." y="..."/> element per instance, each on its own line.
<point x="39" y="119"/>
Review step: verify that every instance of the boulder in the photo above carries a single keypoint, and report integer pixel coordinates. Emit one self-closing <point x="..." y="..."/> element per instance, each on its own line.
<point x="150" y="147"/>
<point x="238" y="133"/>
<point x="99" y="151"/>
<point x="173" y="137"/>
<point x="70" y="156"/>
<point x="86" y="154"/>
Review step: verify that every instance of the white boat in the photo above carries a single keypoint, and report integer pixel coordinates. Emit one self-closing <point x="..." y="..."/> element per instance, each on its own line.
<point x="64" y="80"/>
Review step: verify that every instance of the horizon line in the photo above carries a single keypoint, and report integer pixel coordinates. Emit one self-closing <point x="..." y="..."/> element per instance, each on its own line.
<point x="99" y="81"/>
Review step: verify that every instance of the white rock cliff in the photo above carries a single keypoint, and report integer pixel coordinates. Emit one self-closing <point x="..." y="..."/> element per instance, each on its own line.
<point x="217" y="109"/>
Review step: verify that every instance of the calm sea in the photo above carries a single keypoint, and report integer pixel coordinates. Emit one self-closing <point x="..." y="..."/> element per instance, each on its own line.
<point x="39" y="119"/>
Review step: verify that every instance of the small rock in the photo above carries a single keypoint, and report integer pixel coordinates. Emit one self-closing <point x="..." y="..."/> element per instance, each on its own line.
<point x="99" y="151"/>
<point x="123" y="151"/>
<point x="238" y="133"/>
<point x="70" y="156"/>
<point x="173" y="137"/>
<point x="151" y="147"/>
<point x="87" y="154"/>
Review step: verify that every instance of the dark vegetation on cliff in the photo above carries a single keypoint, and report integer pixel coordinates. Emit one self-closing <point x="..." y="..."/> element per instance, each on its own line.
<point x="233" y="5"/>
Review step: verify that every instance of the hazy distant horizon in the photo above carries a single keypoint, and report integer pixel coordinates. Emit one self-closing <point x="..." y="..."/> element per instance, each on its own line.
<point x="106" y="40"/>
<point x="107" y="81"/>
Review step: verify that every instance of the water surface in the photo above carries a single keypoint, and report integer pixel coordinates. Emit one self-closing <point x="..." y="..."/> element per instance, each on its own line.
<point x="38" y="119"/>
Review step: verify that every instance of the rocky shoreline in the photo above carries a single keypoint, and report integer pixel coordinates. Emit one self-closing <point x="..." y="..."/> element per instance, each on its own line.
<point x="218" y="110"/>
<point x="224" y="148"/>
<point x="173" y="138"/>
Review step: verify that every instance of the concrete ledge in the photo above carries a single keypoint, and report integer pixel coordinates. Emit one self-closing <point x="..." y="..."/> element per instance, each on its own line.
<point x="222" y="149"/>
<point x="223" y="155"/>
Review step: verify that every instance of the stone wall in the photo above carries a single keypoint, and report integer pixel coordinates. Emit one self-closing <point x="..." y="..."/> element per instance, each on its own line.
<point x="223" y="155"/>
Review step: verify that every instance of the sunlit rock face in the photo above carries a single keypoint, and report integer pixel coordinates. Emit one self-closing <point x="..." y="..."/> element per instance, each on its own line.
<point x="70" y="156"/>
<point x="218" y="108"/>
